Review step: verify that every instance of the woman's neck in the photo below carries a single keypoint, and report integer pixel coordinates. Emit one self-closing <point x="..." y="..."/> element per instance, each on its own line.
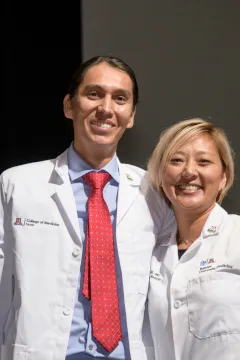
<point x="190" y="225"/>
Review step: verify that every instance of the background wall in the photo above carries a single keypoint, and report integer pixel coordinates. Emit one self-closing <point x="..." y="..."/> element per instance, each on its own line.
<point x="186" y="56"/>
<point x="42" y="48"/>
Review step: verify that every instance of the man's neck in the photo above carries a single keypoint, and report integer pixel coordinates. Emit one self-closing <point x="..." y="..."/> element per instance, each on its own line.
<point x="96" y="158"/>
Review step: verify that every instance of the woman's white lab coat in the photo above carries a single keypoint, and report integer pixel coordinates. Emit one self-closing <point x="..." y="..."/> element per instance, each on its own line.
<point x="194" y="302"/>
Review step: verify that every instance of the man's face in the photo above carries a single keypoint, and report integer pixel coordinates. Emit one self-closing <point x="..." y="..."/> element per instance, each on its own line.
<point x="102" y="108"/>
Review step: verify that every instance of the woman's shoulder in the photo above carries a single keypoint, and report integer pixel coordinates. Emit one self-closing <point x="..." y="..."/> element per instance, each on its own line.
<point x="234" y="219"/>
<point x="232" y="233"/>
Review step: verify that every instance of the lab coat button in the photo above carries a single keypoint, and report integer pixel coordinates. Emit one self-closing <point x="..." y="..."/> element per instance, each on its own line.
<point x="177" y="304"/>
<point x="67" y="311"/>
<point x="76" y="252"/>
<point x="90" y="347"/>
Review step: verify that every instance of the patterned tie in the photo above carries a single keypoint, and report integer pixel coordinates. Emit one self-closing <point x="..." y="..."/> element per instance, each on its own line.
<point x="99" y="283"/>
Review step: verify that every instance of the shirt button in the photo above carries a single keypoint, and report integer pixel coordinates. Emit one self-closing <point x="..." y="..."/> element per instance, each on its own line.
<point x="76" y="252"/>
<point x="177" y="304"/>
<point x="67" y="311"/>
<point x="90" y="347"/>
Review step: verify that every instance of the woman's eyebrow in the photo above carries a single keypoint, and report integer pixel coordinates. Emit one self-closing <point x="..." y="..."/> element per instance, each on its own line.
<point x="200" y="152"/>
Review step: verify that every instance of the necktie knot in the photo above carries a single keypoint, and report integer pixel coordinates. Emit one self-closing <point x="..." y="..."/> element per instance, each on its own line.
<point x="97" y="180"/>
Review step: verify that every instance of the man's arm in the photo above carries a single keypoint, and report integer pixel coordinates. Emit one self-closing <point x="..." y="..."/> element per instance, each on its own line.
<point x="160" y="209"/>
<point x="6" y="290"/>
<point x="1" y="251"/>
<point x="1" y="228"/>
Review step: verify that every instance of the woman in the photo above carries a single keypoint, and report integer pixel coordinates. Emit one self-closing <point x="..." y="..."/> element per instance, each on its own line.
<point x="194" y="294"/>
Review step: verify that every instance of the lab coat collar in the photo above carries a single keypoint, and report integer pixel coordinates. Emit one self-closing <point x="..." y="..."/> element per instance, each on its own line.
<point x="63" y="197"/>
<point x="171" y="238"/>
<point x="127" y="176"/>
<point x="60" y="172"/>
<point x="212" y="226"/>
<point x="214" y="222"/>
<point x="77" y="167"/>
<point x="128" y="190"/>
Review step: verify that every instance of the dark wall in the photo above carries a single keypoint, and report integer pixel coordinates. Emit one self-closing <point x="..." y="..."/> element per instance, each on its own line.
<point x="42" y="49"/>
<point x="186" y="56"/>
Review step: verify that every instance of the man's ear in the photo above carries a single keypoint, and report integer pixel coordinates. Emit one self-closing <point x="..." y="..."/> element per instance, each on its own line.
<point x="67" y="106"/>
<point x="131" y="120"/>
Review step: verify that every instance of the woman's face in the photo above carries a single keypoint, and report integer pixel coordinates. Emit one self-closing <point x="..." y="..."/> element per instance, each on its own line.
<point x="194" y="176"/>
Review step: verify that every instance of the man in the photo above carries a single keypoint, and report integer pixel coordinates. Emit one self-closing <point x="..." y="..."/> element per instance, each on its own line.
<point x="77" y="234"/>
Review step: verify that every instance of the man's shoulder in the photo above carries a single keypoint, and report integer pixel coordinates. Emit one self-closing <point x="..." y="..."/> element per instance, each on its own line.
<point x="27" y="172"/>
<point x="140" y="176"/>
<point x="146" y="188"/>
<point x="132" y="169"/>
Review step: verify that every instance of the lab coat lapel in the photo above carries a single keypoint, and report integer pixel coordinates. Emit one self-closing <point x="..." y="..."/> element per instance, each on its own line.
<point x="170" y="255"/>
<point x="127" y="192"/>
<point x="63" y="197"/>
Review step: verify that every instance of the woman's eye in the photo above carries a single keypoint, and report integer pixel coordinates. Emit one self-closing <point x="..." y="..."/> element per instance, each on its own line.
<point x="204" y="161"/>
<point x="176" y="160"/>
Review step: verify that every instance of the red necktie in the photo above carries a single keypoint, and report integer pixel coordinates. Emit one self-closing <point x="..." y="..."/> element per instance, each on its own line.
<point x="99" y="283"/>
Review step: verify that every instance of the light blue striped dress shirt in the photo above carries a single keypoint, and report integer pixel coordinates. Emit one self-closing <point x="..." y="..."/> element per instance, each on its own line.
<point x="82" y="345"/>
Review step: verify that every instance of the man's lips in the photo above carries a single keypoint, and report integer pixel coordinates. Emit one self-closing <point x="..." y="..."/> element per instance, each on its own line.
<point x="102" y="124"/>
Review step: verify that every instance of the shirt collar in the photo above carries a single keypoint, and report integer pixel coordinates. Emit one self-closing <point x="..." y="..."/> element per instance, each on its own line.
<point x="77" y="167"/>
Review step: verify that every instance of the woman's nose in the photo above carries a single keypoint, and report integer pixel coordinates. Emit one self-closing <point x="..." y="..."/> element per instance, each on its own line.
<point x="189" y="171"/>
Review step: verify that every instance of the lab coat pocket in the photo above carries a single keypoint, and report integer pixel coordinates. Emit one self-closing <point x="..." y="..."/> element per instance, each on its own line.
<point x="214" y="305"/>
<point x="143" y="247"/>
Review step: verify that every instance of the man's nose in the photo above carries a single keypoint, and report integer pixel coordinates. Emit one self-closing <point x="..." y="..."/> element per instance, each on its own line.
<point x="105" y="108"/>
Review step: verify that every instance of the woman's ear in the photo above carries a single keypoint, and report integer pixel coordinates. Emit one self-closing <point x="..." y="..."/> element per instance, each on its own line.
<point x="223" y="182"/>
<point x="67" y="106"/>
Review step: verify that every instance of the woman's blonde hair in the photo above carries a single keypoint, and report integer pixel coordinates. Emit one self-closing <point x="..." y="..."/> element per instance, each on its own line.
<point x="180" y="133"/>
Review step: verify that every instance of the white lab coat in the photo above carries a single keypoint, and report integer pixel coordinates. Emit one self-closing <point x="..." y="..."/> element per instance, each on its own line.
<point x="41" y="251"/>
<point x="194" y="303"/>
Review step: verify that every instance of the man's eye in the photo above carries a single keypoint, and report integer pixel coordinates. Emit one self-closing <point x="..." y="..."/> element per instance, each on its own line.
<point x="93" y="94"/>
<point x="121" y="99"/>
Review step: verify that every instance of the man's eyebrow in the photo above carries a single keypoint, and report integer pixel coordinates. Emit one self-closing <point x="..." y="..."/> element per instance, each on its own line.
<point x="123" y="91"/>
<point x="92" y="86"/>
<point x="99" y="87"/>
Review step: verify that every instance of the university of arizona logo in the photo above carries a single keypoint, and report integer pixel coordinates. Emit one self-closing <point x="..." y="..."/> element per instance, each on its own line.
<point x="20" y="221"/>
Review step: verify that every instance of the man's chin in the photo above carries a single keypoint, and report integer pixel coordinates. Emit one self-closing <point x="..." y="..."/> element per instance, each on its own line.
<point x="108" y="141"/>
